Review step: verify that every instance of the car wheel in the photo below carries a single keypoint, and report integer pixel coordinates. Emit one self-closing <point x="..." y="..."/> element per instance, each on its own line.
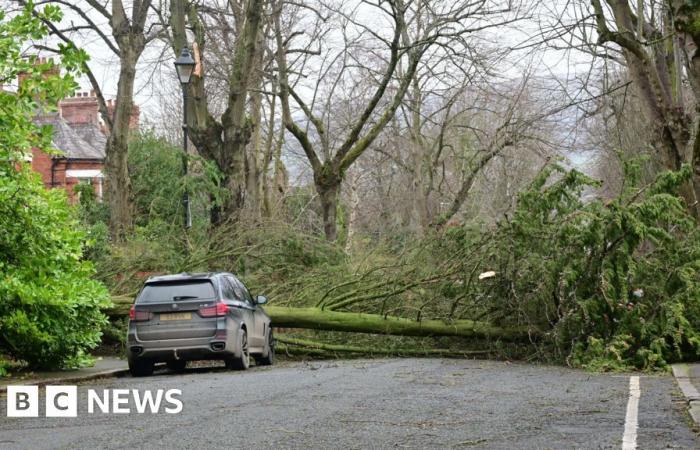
<point x="140" y="367"/>
<point x="176" y="365"/>
<point x="268" y="356"/>
<point x="241" y="362"/>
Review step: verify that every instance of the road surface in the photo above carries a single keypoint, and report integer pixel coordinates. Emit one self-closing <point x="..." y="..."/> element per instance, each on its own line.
<point x="388" y="403"/>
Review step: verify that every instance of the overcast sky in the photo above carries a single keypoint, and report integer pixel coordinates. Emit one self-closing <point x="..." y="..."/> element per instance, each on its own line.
<point x="156" y="71"/>
<point x="157" y="84"/>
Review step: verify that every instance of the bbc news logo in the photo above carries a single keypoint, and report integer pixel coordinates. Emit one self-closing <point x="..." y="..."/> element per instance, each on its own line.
<point x="62" y="401"/>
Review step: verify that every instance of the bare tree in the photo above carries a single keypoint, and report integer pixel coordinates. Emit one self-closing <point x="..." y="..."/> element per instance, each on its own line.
<point x="127" y="38"/>
<point x="414" y="28"/>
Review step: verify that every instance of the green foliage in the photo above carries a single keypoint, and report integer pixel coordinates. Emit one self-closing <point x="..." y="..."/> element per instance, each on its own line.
<point x="50" y="309"/>
<point x="49" y="305"/>
<point x="156" y="168"/>
<point x="93" y="216"/>
<point x="614" y="284"/>
<point x="607" y="285"/>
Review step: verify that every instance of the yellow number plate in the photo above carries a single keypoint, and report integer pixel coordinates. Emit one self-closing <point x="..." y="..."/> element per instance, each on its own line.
<point x="176" y="316"/>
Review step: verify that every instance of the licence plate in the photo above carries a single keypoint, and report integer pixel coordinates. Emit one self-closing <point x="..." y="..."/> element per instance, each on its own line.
<point x="176" y="316"/>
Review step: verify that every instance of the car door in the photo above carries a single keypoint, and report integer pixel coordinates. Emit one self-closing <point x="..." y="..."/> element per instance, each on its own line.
<point x="232" y="292"/>
<point x="261" y="318"/>
<point x="241" y="294"/>
<point x="255" y="332"/>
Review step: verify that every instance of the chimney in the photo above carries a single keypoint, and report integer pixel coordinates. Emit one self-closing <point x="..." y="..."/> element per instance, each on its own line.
<point x="82" y="108"/>
<point x="133" y="117"/>
<point x="54" y="70"/>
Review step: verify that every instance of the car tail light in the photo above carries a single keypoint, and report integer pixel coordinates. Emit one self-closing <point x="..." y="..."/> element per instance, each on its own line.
<point x="218" y="310"/>
<point x="137" y="315"/>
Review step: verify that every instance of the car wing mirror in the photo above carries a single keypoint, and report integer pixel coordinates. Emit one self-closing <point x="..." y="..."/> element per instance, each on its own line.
<point x="260" y="299"/>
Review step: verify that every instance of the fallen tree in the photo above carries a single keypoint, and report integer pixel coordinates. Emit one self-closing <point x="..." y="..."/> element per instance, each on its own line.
<point x="317" y="319"/>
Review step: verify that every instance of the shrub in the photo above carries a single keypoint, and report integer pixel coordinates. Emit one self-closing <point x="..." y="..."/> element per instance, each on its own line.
<point x="49" y="305"/>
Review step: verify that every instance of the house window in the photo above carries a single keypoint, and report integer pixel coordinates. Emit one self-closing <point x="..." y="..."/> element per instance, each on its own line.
<point x="87" y="176"/>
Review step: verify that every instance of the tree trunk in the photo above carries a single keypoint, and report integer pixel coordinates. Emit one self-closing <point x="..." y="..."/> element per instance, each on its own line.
<point x="118" y="189"/>
<point x="317" y="319"/>
<point x="232" y="162"/>
<point x="274" y="186"/>
<point x="253" y="160"/>
<point x="255" y="156"/>
<point x="687" y="18"/>
<point x="116" y="164"/>
<point x="353" y="207"/>
<point x="328" y="193"/>
<point x="235" y="186"/>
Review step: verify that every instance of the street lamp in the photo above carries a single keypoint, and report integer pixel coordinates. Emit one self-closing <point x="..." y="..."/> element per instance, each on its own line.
<point x="184" y="65"/>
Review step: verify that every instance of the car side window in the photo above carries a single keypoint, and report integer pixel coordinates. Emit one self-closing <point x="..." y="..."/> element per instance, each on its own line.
<point x="234" y="293"/>
<point x="227" y="288"/>
<point x="240" y="288"/>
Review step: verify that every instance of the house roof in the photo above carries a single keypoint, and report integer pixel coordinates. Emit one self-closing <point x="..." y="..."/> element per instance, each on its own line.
<point x="91" y="134"/>
<point x="77" y="142"/>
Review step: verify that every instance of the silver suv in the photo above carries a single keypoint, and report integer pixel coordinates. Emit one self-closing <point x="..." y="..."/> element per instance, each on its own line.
<point x="185" y="317"/>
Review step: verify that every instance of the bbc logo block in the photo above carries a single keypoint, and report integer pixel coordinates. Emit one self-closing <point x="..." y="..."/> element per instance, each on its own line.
<point x="61" y="401"/>
<point x="22" y="401"/>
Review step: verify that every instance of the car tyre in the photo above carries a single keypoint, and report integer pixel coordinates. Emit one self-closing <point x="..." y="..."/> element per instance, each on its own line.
<point x="176" y="365"/>
<point x="241" y="362"/>
<point x="268" y="356"/>
<point x="140" y="367"/>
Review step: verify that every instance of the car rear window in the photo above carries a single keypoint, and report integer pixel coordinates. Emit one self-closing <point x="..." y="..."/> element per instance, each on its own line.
<point x="174" y="291"/>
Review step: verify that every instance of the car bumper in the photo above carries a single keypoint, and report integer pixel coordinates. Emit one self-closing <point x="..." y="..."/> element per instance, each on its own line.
<point x="220" y="346"/>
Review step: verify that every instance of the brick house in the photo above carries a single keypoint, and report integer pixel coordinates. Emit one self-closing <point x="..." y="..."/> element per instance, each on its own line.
<point x="80" y="137"/>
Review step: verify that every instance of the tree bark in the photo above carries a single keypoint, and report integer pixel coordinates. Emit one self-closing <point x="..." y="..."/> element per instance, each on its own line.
<point x="328" y="193"/>
<point x="130" y="37"/>
<point x="117" y="150"/>
<point x="317" y="319"/>
<point x="256" y="156"/>
<point x="353" y="211"/>
<point x="686" y="23"/>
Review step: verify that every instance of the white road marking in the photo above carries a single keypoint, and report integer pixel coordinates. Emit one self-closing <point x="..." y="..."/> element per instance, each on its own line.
<point x="629" y="439"/>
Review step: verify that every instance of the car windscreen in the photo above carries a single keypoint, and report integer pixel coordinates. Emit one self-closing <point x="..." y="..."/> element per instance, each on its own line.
<point x="176" y="290"/>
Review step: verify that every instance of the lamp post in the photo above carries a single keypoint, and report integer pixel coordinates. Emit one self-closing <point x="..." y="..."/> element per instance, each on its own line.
<point x="184" y="65"/>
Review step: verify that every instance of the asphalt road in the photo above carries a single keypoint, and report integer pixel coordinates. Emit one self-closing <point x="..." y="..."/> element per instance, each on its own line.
<point x="391" y="403"/>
